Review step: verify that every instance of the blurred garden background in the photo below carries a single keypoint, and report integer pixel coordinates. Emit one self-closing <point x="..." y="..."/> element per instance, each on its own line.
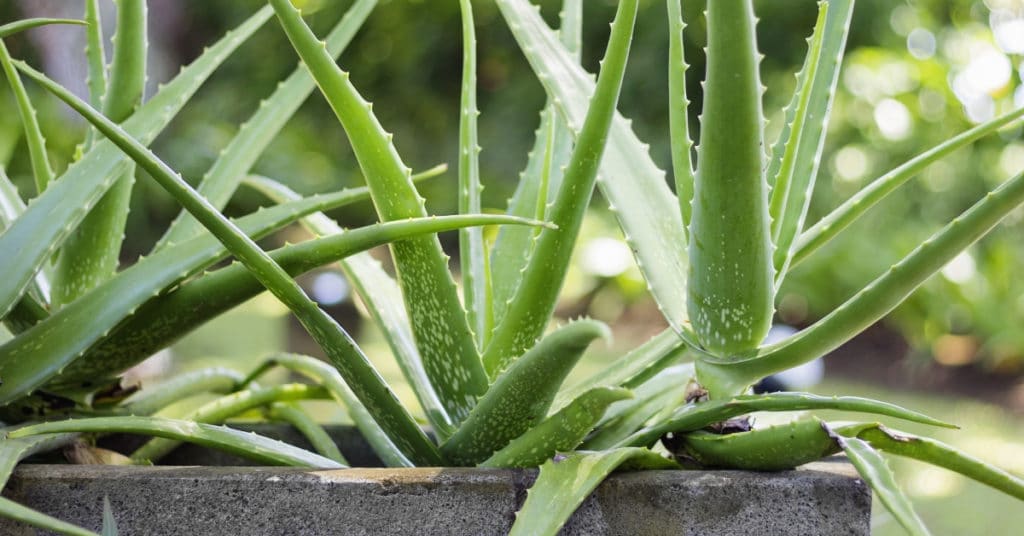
<point x="916" y="73"/>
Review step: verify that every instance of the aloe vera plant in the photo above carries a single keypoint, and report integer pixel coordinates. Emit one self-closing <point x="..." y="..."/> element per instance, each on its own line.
<point x="486" y="371"/>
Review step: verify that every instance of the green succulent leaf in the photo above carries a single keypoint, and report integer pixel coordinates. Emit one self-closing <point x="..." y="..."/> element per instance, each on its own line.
<point x="731" y="278"/>
<point x="773" y="448"/>
<point x="25" y="24"/>
<point x="443" y="334"/>
<point x="245" y="444"/>
<point x="42" y="172"/>
<point x="153" y="398"/>
<point x="678" y="110"/>
<point x="856" y="206"/>
<point x="33" y="238"/>
<point x="339" y="346"/>
<point x="109" y="522"/>
<point x="92" y="253"/>
<point x="219" y="410"/>
<point x="875" y="471"/>
<point x="935" y="453"/>
<point x="695" y="416"/>
<point x="807" y="116"/>
<point x="309" y="428"/>
<point x="565" y="481"/>
<point x="657" y="396"/>
<point x="95" y="57"/>
<point x="634" y="186"/>
<point x="256" y="133"/>
<point x="522" y="395"/>
<point x="527" y="315"/>
<point x="563" y="431"/>
<point x="538" y="183"/>
<point x="28" y="516"/>
<point x="637" y="366"/>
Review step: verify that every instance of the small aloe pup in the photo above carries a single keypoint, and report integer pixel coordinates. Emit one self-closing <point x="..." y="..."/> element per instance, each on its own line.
<point x="739" y="228"/>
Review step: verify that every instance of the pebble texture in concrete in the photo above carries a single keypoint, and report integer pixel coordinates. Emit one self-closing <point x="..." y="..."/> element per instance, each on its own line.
<point x="823" y="498"/>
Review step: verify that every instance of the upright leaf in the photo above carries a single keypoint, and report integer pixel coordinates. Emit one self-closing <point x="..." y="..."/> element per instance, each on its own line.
<point x="534" y="301"/>
<point x="31" y="240"/>
<point x="439" y="323"/>
<point x="92" y="253"/>
<point x="629" y="179"/>
<point x="678" y="112"/>
<point x="96" y="61"/>
<point x="538" y="183"/>
<point x="472" y="254"/>
<point x="41" y="170"/>
<point x="798" y="168"/>
<point x="731" y="279"/>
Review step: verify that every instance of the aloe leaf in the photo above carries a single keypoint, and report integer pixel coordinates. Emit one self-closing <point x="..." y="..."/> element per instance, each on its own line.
<point x="522" y="395"/>
<point x="209" y="380"/>
<point x="220" y="410"/>
<point x="538" y="183"/>
<point x="629" y="179"/>
<point x="874" y="470"/>
<point x="659" y="395"/>
<point x="678" y="114"/>
<point x="563" y="431"/>
<point x="69" y="332"/>
<point x="632" y="369"/>
<point x="327" y="376"/>
<point x="853" y="208"/>
<point x="13" y="451"/>
<point x="253" y="137"/>
<point x="41" y="170"/>
<point x="383" y="300"/>
<point x="534" y="301"/>
<point x="443" y="334"/>
<point x="335" y="341"/>
<point x="31" y="240"/>
<point x="309" y="428"/>
<point x="25" y="24"/>
<point x="245" y="444"/>
<point x="565" y="481"/>
<point x="731" y="278"/>
<point x="95" y="57"/>
<point x="109" y="523"/>
<point x="938" y="454"/>
<point x="92" y="253"/>
<point x="28" y="516"/>
<point x="812" y="102"/>
<point x="773" y="448"/>
<point x="875" y="300"/>
<point x="695" y="416"/>
<point x="31" y="308"/>
<point x="163" y="319"/>
<point x="472" y="253"/>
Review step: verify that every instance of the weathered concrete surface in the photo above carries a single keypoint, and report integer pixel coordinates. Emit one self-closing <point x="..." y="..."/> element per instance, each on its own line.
<point x="821" y="498"/>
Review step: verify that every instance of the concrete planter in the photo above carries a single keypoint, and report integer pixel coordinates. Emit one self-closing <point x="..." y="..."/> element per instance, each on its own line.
<point x="820" y="498"/>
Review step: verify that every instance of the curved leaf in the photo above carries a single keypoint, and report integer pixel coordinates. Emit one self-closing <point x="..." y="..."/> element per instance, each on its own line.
<point x="209" y="380"/>
<point x="522" y="395"/>
<point x="561" y="432"/>
<point x="309" y="428"/>
<point x="25" y="24"/>
<point x="245" y="444"/>
<point x="565" y="481"/>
